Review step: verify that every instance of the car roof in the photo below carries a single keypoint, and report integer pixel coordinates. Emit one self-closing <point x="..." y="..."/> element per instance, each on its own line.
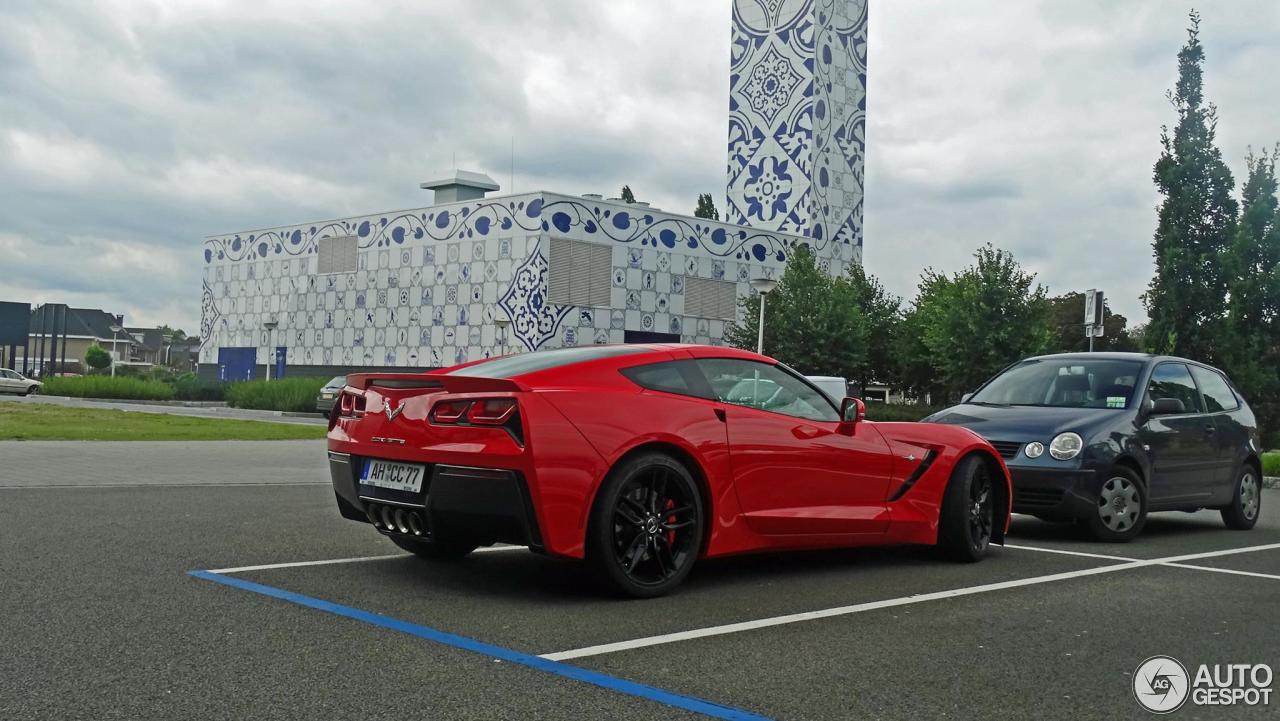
<point x="1149" y="358"/>
<point x="524" y="365"/>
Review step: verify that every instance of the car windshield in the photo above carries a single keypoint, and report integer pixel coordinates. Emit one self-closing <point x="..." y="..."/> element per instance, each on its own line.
<point x="337" y="382"/>
<point x="1063" y="383"/>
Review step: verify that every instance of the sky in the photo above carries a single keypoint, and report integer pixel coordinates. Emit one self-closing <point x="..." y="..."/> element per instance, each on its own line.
<point x="132" y="129"/>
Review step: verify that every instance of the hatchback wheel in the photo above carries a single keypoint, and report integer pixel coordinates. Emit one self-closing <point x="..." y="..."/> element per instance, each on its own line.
<point x="968" y="512"/>
<point x="1242" y="513"/>
<point x="1121" y="508"/>
<point x="646" y="526"/>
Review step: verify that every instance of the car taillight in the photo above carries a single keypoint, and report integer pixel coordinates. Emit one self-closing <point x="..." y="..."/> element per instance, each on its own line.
<point x="350" y="405"/>
<point x="449" y="412"/>
<point x="495" y="412"/>
<point x="491" y="411"/>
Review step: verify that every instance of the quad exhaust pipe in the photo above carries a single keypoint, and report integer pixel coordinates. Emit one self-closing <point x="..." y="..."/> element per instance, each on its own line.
<point x="407" y="521"/>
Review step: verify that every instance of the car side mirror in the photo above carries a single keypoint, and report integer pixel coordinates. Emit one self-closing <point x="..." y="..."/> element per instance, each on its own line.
<point x="852" y="412"/>
<point x="1167" y="407"/>
<point x="965" y="398"/>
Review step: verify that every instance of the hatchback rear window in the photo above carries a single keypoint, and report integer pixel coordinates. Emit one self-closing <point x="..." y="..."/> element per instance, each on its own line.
<point x="524" y="363"/>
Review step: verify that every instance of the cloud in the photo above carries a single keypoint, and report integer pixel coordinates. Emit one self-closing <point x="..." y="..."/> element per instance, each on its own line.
<point x="133" y="128"/>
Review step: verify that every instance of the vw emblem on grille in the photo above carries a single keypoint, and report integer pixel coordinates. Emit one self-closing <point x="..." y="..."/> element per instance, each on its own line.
<point x="393" y="412"/>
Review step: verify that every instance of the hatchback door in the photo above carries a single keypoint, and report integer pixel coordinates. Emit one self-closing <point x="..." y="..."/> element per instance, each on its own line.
<point x="1182" y="446"/>
<point x="793" y="470"/>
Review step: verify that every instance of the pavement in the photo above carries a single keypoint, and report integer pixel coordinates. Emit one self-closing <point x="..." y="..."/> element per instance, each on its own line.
<point x="177" y="410"/>
<point x="311" y="616"/>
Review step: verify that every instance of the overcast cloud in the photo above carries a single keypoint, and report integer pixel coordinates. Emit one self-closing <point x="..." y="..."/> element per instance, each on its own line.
<point x="130" y="129"/>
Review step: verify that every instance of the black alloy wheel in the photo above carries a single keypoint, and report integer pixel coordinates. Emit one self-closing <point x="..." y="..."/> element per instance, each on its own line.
<point x="647" y="526"/>
<point x="968" y="517"/>
<point x="981" y="513"/>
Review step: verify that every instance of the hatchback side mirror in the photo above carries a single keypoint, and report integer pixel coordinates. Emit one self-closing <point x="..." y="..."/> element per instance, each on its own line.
<point x="1167" y="407"/>
<point x="852" y="411"/>
<point x="965" y="398"/>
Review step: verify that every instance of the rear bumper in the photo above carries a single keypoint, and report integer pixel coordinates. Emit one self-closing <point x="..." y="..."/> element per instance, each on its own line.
<point x="457" y="503"/>
<point x="1068" y="492"/>
<point x="324" y="405"/>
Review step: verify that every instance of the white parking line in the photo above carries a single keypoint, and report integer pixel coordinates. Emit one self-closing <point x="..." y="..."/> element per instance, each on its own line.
<point x="334" y="561"/>
<point x="1125" y="558"/>
<point x="889" y="603"/>
<point x="1232" y="571"/>
<point x="1068" y="553"/>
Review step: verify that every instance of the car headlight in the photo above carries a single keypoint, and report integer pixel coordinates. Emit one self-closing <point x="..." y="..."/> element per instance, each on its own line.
<point x="1034" y="449"/>
<point x="1066" y="446"/>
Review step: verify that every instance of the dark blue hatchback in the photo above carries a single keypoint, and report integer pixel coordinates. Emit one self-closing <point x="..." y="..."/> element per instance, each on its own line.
<point x="1105" y="438"/>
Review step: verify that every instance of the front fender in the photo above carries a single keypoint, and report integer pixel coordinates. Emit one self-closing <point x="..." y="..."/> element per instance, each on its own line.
<point x="915" y="515"/>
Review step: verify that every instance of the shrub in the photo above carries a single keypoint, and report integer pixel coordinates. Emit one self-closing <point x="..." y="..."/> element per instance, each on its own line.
<point x="96" y="357"/>
<point x="286" y="394"/>
<point x="119" y="387"/>
<point x="1271" y="463"/>
<point x="899" y="411"/>
<point x="188" y="387"/>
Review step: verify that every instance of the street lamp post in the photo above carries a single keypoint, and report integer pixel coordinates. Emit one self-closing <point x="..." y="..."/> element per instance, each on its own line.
<point x="115" y="332"/>
<point x="503" y="324"/>
<point x="763" y="286"/>
<point x="270" y="325"/>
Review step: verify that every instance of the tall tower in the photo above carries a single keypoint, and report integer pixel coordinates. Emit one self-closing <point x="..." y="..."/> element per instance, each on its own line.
<point x="797" y="120"/>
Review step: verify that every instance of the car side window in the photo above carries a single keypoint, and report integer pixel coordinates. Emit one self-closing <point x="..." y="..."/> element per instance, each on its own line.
<point x="1173" y="380"/>
<point x="1217" y="395"/>
<point x="9" y="374"/>
<point x="667" y="376"/>
<point x="765" y="387"/>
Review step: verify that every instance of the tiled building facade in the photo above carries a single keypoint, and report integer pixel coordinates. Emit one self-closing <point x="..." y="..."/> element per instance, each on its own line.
<point x="481" y="276"/>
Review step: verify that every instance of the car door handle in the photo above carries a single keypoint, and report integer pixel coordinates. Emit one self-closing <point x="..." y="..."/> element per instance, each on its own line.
<point x="1210" y="429"/>
<point x="806" y="433"/>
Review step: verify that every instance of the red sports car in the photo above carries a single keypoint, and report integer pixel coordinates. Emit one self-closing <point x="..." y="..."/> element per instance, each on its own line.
<point x="643" y="458"/>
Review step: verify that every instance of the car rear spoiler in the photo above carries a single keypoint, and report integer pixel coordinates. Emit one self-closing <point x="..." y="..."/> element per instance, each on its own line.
<point x="423" y="381"/>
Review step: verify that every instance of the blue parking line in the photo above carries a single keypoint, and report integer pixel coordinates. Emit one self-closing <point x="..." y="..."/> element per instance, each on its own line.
<point x="631" y="688"/>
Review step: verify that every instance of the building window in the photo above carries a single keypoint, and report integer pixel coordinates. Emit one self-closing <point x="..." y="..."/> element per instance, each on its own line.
<point x="705" y="298"/>
<point x="337" y="255"/>
<point x="578" y="273"/>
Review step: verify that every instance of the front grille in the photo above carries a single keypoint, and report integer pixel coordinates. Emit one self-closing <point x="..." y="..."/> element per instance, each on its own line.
<point x="1031" y="498"/>
<point x="1007" y="449"/>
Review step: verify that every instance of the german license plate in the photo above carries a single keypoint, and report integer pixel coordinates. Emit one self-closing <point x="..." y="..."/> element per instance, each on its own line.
<point x="396" y="476"/>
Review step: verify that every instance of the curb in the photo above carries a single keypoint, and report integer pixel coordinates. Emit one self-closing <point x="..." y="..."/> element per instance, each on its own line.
<point x="1271" y="481"/>
<point x="134" y="401"/>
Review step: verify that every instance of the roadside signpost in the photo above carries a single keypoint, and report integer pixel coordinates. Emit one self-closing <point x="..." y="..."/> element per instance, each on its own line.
<point x="1093" y="315"/>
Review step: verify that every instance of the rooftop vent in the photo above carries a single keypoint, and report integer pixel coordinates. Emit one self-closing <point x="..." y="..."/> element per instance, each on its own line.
<point x="462" y="185"/>
<point x="593" y="196"/>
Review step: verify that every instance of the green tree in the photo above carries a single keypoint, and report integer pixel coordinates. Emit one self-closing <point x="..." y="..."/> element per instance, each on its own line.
<point x="812" y="321"/>
<point x="1251" y="338"/>
<point x="1068" y="325"/>
<point x="974" y="323"/>
<point x="97" y="358"/>
<point x="881" y="314"/>
<point x="174" y="334"/>
<point x="1196" y="218"/>
<point x="627" y="195"/>
<point x="706" y="207"/>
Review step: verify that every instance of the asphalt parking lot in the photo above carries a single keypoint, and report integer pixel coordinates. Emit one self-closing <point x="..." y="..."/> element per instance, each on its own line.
<point x="103" y="618"/>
